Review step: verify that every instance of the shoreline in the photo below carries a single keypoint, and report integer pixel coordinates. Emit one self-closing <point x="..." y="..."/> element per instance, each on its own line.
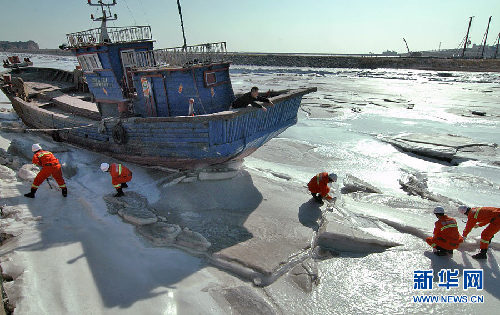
<point x="361" y="62"/>
<point x="335" y="61"/>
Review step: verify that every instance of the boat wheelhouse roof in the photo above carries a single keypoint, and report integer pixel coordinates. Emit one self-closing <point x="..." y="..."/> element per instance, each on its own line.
<point x="164" y="58"/>
<point x="126" y="34"/>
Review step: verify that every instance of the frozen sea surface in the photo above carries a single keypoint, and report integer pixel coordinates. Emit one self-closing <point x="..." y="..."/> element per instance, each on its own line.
<point x="340" y="128"/>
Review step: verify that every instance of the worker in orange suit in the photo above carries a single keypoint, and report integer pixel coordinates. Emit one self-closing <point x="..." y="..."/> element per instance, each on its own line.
<point x="120" y="176"/>
<point x="50" y="167"/>
<point x="478" y="217"/>
<point x="319" y="186"/>
<point x="446" y="236"/>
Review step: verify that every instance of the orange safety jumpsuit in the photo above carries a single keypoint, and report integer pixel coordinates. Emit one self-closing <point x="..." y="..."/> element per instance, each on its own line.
<point x="319" y="185"/>
<point x="119" y="175"/>
<point x="484" y="216"/>
<point x="446" y="234"/>
<point x="50" y="166"/>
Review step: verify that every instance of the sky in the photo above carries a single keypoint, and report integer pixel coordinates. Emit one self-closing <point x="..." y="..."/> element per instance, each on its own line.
<point x="293" y="26"/>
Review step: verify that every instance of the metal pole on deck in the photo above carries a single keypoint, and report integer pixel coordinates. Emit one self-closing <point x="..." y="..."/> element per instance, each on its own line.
<point x="182" y="24"/>
<point x="106" y="16"/>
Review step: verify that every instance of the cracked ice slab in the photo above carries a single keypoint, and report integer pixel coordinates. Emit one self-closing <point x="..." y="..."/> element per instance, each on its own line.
<point x="254" y="223"/>
<point x="446" y="147"/>
<point x="132" y="207"/>
<point x="344" y="232"/>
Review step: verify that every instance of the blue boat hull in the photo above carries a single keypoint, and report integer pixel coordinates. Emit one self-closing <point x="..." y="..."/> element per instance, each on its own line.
<point x="181" y="142"/>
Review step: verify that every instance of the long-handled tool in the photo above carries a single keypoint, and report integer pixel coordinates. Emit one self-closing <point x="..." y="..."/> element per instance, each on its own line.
<point x="48" y="182"/>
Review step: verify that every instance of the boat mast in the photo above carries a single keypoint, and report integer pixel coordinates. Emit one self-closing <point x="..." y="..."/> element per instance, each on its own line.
<point x="182" y="24"/>
<point x="485" y="38"/>
<point x="467" y="37"/>
<point x="106" y="16"/>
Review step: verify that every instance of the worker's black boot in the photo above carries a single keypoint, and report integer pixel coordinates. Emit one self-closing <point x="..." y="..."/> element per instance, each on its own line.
<point x="481" y="254"/>
<point x="31" y="194"/>
<point x="450" y="252"/>
<point x="124" y="185"/>
<point x="440" y="251"/>
<point x="119" y="192"/>
<point x="317" y="197"/>
<point x="64" y="192"/>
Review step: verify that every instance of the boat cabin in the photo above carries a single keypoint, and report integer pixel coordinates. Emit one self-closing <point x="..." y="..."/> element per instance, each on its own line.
<point x="128" y="78"/>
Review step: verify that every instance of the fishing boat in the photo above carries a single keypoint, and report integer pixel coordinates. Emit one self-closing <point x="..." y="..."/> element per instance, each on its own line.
<point x="163" y="107"/>
<point x="14" y="62"/>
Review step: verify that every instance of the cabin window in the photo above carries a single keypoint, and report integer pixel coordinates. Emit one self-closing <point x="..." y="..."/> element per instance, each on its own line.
<point x="210" y="78"/>
<point x="89" y="62"/>
<point x="128" y="58"/>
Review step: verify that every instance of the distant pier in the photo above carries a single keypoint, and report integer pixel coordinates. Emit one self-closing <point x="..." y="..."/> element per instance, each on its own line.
<point x="343" y="61"/>
<point x="364" y="62"/>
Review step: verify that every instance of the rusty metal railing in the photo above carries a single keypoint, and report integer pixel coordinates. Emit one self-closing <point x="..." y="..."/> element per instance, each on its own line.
<point x="115" y="35"/>
<point x="182" y="56"/>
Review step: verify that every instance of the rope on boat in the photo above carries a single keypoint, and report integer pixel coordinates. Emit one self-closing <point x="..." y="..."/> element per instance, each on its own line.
<point x="60" y="129"/>
<point x="68" y="128"/>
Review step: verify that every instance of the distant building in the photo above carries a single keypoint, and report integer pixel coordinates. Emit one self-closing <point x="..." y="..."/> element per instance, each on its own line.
<point x="389" y="53"/>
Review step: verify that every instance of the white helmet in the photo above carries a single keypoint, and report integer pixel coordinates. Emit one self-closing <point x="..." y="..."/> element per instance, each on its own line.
<point x="439" y="210"/>
<point x="104" y="167"/>
<point x="332" y="177"/>
<point x="36" y="147"/>
<point x="462" y="209"/>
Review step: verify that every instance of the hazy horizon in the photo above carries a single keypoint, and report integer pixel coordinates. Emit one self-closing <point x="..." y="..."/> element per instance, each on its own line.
<point x="322" y="27"/>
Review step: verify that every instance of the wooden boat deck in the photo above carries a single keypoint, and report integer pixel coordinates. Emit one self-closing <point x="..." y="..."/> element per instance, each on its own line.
<point x="45" y="87"/>
<point x="77" y="106"/>
<point x="52" y="92"/>
<point x="52" y="109"/>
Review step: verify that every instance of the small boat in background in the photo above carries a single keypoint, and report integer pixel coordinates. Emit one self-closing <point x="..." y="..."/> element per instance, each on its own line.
<point x="13" y="62"/>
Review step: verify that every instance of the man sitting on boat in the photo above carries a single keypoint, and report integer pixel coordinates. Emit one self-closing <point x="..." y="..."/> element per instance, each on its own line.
<point x="251" y="98"/>
<point x="120" y="176"/>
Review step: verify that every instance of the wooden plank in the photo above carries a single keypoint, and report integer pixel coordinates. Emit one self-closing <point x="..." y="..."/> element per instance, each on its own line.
<point x="166" y="135"/>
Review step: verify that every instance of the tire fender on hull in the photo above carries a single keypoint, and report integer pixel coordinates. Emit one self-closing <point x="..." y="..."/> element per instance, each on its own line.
<point x="119" y="134"/>
<point x="56" y="136"/>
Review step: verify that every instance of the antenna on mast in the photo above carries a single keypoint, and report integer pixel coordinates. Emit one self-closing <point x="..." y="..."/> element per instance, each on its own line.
<point x="106" y="16"/>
